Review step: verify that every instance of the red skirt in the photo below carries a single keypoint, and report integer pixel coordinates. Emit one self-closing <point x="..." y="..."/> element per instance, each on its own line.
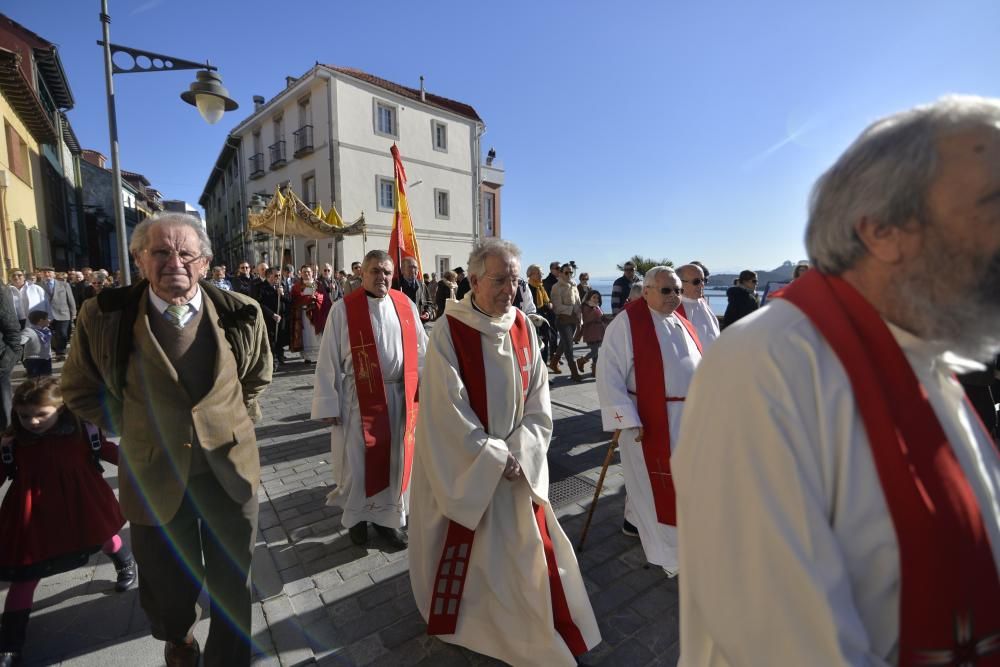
<point x="57" y="510"/>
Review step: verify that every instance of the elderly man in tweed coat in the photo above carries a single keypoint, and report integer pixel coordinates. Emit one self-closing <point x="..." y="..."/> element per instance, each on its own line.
<point x="174" y="365"/>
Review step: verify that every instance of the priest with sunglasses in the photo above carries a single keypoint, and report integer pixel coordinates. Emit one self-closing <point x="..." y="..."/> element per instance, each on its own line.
<point x="694" y="306"/>
<point x="648" y="357"/>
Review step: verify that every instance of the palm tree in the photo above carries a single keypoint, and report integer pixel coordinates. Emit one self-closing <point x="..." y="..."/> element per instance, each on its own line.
<point x="643" y="264"/>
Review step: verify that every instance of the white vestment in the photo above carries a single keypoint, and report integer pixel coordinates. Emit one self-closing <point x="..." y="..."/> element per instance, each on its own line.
<point x="33" y="298"/>
<point x="703" y="319"/>
<point x="310" y="340"/>
<point x="334" y="395"/>
<point x="616" y="392"/>
<point x="506" y="609"/>
<point x="789" y="553"/>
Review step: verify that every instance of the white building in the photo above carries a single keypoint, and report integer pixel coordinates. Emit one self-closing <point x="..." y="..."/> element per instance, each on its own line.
<point x="328" y="135"/>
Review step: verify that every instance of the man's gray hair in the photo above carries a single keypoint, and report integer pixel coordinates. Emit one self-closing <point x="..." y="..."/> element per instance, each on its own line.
<point x="377" y="256"/>
<point x="491" y="247"/>
<point x="140" y="237"/>
<point x="884" y="175"/>
<point x="649" y="278"/>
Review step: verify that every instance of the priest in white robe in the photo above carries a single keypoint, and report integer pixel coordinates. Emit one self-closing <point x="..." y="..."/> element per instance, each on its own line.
<point x="669" y="342"/>
<point x="839" y="500"/>
<point x="371" y="482"/>
<point x="695" y="307"/>
<point x="491" y="568"/>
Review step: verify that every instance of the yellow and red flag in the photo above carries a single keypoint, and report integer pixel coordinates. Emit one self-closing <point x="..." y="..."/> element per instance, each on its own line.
<point x="402" y="240"/>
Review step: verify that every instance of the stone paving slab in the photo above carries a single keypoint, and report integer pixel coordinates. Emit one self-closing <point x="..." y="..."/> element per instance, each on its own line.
<point x="319" y="599"/>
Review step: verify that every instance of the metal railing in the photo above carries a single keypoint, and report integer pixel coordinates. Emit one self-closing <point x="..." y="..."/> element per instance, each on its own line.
<point x="256" y="165"/>
<point x="277" y="151"/>
<point x="303" y="140"/>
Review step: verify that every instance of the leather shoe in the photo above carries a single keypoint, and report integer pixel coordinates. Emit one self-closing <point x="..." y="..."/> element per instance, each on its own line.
<point x="181" y="654"/>
<point x="359" y="533"/>
<point x="127" y="576"/>
<point x="394" y="536"/>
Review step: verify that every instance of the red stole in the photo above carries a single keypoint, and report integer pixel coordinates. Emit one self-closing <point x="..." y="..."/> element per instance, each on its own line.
<point x="651" y="402"/>
<point x="371" y="390"/>
<point x="680" y="310"/>
<point x="949" y="586"/>
<point x="453" y="567"/>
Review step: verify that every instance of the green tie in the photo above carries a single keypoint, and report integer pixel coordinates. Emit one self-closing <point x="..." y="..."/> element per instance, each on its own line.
<point x="175" y="314"/>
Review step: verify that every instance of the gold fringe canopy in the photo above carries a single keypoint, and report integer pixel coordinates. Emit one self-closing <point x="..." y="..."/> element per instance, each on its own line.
<point x="286" y="214"/>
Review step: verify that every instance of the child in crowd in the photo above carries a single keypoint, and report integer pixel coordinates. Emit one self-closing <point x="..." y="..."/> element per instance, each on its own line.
<point x="593" y="330"/>
<point x="58" y="510"/>
<point x="36" y="339"/>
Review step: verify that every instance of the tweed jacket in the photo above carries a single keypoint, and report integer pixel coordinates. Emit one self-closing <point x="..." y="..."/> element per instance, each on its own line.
<point x="118" y="377"/>
<point x="62" y="305"/>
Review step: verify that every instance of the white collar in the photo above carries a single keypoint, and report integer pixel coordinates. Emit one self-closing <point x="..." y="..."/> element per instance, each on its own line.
<point x="161" y="305"/>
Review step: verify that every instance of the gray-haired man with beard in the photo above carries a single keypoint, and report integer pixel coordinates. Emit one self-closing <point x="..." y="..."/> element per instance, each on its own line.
<point x="848" y="501"/>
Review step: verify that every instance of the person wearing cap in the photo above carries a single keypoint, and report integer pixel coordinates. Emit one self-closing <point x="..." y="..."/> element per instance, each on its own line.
<point x="621" y="288"/>
<point x="463" y="284"/>
<point x="742" y="297"/>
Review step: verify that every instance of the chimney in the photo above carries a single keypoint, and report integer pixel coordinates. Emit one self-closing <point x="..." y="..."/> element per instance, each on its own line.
<point x="258" y="102"/>
<point x="289" y="80"/>
<point x="423" y="94"/>
<point x="94" y="158"/>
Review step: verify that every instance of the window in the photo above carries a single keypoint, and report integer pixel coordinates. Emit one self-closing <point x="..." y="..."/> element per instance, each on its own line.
<point x="439" y="135"/>
<point x="443" y="264"/>
<point x="305" y="113"/>
<point x="256" y="142"/>
<point x="441" y="204"/>
<point x="279" y="129"/>
<point x="385" y="119"/>
<point x="309" y="190"/>
<point x="386" y="193"/>
<point x="17" y="154"/>
<point x="489" y="200"/>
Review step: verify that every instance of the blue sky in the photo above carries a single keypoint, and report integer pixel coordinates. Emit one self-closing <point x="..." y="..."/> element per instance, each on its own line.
<point x="668" y="129"/>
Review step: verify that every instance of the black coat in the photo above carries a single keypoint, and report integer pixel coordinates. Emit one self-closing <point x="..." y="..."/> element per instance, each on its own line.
<point x="418" y="295"/>
<point x="271" y="304"/>
<point x="742" y="302"/>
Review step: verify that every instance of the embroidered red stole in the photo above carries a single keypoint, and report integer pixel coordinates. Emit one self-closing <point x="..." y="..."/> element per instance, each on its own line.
<point x="651" y="401"/>
<point x="371" y="389"/>
<point x="453" y="568"/>
<point x="950" y="591"/>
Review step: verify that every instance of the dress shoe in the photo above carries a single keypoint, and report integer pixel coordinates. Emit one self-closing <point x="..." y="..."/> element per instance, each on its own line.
<point x="127" y="575"/>
<point x="359" y="533"/>
<point x="394" y="536"/>
<point x="181" y="654"/>
<point x="629" y="529"/>
<point x="554" y="367"/>
<point x="580" y="363"/>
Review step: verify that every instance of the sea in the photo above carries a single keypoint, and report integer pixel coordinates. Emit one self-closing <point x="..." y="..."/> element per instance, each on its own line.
<point x="716" y="296"/>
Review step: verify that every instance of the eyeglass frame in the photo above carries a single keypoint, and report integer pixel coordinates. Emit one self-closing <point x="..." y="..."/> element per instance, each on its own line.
<point x="696" y="282"/>
<point x="676" y="291"/>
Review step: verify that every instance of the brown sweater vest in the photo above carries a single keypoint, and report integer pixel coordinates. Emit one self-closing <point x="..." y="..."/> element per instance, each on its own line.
<point x="192" y="352"/>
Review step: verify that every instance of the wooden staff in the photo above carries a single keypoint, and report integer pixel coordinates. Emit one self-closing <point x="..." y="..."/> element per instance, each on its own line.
<point x="597" y="492"/>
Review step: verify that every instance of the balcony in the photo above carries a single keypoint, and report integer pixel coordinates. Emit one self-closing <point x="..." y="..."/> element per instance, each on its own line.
<point x="277" y="151"/>
<point x="303" y="140"/>
<point x="256" y="165"/>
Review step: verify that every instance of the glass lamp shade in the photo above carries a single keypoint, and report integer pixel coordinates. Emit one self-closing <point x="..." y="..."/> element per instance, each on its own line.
<point x="210" y="107"/>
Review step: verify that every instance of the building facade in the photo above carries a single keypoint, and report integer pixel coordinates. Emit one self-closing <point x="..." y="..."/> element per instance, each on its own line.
<point x="328" y="135"/>
<point x="42" y="216"/>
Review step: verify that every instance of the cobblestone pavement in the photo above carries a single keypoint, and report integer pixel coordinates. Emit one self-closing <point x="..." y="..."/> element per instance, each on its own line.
<point x="321" y="599"/>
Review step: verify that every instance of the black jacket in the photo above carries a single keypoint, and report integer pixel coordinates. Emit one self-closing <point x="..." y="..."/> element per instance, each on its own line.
<point x="10" y="329"/>
<point x="742" y="302"/>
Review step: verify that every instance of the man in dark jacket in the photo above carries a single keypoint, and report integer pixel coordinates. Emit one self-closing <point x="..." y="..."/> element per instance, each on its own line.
<point x="274" y="304"/>
<point x="411" y="285"/>
<point x="10" y="352"/>
<point x="742" y="297"/>
<point x="242" y="281"/>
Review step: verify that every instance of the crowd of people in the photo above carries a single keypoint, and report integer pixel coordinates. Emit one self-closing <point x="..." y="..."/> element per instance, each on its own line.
<point x="812" y="470"/>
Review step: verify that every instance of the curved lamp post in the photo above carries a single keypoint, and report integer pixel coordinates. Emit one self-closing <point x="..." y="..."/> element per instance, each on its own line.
<point x="207" y="94"/>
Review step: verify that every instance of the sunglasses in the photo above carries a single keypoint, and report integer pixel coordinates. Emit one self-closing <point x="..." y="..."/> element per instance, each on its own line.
<point x="670" y="290"/>
<point x="695" y="282"/>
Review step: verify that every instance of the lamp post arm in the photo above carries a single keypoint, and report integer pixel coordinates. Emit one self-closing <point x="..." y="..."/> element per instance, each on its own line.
<point x="166" y="63"/>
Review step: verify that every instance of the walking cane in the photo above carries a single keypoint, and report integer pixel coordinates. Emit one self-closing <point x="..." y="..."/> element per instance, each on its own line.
<point x="597" y="492"/>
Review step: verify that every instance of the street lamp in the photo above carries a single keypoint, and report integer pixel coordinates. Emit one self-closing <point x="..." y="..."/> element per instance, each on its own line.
<point x="206" y="93"/>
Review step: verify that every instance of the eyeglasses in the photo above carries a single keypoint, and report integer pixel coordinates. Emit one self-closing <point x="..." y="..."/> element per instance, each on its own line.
<point x="163" y="255"/>
<point x="629" y="268"/>
<point x="695" y="282"/>
<point x="567" y="273"/>
<point x="670" y="290"/>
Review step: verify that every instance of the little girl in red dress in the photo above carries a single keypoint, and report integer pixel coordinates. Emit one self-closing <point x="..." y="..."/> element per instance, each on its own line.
<point x="58" y="509"/>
